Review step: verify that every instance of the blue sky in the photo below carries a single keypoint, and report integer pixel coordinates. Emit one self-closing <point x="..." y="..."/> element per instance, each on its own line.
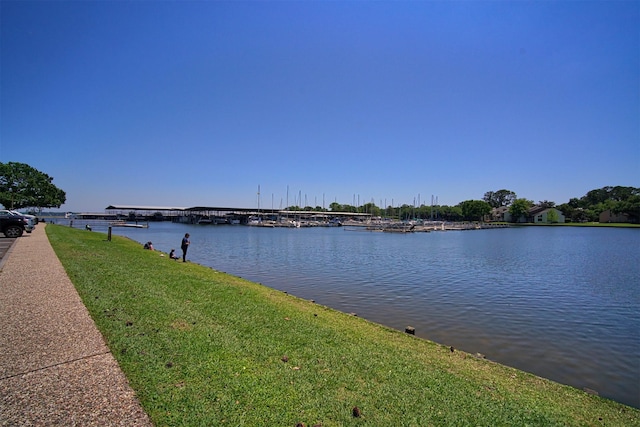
<point x="169" y="103"/>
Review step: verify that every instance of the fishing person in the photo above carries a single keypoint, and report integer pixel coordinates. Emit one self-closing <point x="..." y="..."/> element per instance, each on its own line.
<point x="184" y="246"/>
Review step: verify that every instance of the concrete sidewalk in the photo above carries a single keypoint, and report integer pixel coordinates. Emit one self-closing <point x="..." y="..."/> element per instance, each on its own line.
<point x="55" y="368"/>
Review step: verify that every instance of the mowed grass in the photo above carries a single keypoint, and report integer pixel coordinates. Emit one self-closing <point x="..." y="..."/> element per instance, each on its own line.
<point x="581" y="224"/>
<point x="203" y="348"/>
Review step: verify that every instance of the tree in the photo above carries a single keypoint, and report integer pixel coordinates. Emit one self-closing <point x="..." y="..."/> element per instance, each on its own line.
<point x="594" y="197"/>
<point x="621" y="194"/>
<point x="519" y="208"/>
<point x="499" y="198"/>
<point x="475" y="210"/>
<point x="618" y="199"/>
<point x="371" y="208"/>
<point x="449" y="213"/>
<point x="631" y="207"/>
<point x="552" y="216"/>
<point x="23" y="186"/>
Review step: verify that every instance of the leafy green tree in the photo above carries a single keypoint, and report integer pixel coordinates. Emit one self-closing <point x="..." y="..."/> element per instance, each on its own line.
<point x="621" y="194"/>
<point x="335" y="207"/>
<point x="618" y="199"/>
<point x="631" y="207"/>
<point x="23" y="186"/>
<point x="449" y="213"/>
<point x="594" y="197"/>
<point x="568" y="210"/>
<point x="370" y="208"/>
<point x="601" y="195"/>
<point x="519" y="208"/>
<point x="424" y="211"/>
<point x="474" y="210"/>
<point x="552" y="216"/>
<point x="499" y="198"/>
<point x="582" y="215"/>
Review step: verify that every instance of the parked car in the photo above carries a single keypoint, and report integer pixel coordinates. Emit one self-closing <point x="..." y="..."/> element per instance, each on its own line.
<point x="12" y="224"/>
<point x="33" y="220"/>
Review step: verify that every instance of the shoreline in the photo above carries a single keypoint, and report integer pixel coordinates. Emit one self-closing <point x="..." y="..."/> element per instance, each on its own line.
<point x="230" y="297"/>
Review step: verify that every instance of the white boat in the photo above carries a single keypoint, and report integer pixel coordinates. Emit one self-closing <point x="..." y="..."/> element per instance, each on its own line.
<point x="205" y="220"/>
<point x="127" y="224"/>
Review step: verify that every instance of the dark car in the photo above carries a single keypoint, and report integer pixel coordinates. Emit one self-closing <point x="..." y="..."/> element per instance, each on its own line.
<point x="11" y="224"/>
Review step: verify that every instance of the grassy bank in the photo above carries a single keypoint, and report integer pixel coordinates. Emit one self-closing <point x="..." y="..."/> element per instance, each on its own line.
<point x="204" y="348"/>
<point x="582" y="224"/>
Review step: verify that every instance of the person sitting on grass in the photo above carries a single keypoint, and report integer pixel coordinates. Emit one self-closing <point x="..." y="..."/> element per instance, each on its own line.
<point x="149" y="246"/>
<point x="173" y="255"/>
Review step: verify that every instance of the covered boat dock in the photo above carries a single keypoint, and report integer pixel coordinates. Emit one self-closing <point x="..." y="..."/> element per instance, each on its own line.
<point x="219" y="214"/>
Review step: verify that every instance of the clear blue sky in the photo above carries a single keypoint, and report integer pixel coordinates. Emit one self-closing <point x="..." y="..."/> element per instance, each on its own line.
<point x="193" y="103"/>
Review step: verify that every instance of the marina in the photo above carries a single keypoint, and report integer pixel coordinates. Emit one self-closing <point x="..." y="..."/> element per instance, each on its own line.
<point x="133" y="216"/>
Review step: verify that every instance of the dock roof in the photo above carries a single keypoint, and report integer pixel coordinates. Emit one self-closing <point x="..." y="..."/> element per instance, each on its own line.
<point x="226" y="209"/>
<point x="144" y="208"/>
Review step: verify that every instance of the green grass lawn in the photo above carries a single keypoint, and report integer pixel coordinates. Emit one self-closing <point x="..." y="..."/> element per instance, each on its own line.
<point x="582" y="224"/>
<point x="203" y="348"/>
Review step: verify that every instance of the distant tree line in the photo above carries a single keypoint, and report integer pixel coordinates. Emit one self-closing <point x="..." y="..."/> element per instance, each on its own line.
<point x="620" y="200"/>
<point x="22" y="186"/>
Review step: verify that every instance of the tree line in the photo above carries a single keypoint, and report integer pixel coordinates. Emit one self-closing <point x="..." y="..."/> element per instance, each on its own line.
<point x="619" y="199"/>
<point x="472" y="210"/>
<point x="22" y="186"/>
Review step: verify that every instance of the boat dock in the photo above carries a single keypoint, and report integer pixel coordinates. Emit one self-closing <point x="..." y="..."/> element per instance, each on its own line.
<point x="418" y="227"/>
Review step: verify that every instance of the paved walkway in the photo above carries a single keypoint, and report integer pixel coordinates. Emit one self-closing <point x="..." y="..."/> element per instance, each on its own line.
<point x="55" y="368"/>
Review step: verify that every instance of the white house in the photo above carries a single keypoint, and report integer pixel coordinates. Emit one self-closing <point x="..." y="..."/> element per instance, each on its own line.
<point x="536" y="215"/>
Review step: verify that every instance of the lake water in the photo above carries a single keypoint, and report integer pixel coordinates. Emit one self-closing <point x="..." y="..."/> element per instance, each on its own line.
<point x="560" y="302"/>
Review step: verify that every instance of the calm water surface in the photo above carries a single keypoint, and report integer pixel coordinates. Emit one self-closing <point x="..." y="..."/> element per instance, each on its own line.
<point x="562" y="303"/>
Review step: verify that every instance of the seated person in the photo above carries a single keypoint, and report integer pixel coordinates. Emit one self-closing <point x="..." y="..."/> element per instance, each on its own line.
<point x="149" y="246"/>
<point x="172" y="254"/>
